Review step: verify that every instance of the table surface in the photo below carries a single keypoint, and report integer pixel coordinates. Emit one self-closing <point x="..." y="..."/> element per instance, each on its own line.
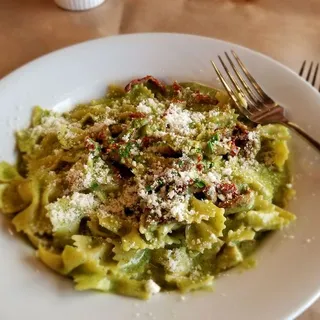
<point x="286" y="30"/>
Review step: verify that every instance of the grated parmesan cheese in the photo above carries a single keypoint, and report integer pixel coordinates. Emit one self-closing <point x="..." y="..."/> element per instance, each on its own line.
<point x="179" y="210"/>
<point x="178" y="119"/>
<point x="68" y="209"/>
<point x="213" y="177"/>
<point x="96" y="171"/>
<point x="142" y="107"/>
<point x="152" y="287"/>
<point x="227" y="171"/>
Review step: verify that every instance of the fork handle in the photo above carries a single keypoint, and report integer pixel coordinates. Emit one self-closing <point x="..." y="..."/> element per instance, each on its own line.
<point x="302" y="133"/>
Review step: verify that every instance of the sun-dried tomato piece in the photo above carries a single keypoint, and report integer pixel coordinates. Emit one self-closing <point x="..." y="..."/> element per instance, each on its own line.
<point x="147" y="141"/>
<point x="101" y="136"/>
<point x="146" y="79"/>
<point x="240" y="135"/>
<point x="236" y="201"/>
<point x="228" y="189"/>
<point x="116" y="129"/>
<point x="203" y="98"/>
<point x="199" y="157"/>
<point x="176" y="100"/>
<point x="176" y="87"/>
<point x="97" y="132"/>
<point x="89" y="144"/>
<point x="234" y="150"/>
<point x="137" y="115"/>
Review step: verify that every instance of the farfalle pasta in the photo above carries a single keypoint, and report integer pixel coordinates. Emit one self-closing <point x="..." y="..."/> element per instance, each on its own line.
<point x="150" y="188"/>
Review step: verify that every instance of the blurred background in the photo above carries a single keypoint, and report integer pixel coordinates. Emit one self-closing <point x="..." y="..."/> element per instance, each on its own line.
<point x="287" y="30"/>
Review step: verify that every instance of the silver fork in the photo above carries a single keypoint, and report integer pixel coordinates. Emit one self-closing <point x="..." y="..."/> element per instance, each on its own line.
<point x="251" y="99"/>
<point x="309" y="72"/>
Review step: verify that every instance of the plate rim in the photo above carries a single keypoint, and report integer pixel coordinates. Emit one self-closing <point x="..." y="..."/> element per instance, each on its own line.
<point x="14" y="73"/>
<point x="30" y="63"/>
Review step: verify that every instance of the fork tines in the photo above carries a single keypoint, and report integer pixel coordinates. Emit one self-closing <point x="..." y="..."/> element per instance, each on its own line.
<point x="309" y="71"/>
<point x="241" y="91"/>
<point x="251" y="99"/>
<point x="248" y="96"/>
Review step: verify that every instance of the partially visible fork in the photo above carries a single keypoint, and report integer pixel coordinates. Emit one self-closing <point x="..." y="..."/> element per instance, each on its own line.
<point x="309" y="73"/>
<point x="251" y="99"/>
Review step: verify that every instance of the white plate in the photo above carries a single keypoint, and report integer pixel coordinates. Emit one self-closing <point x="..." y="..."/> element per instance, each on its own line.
<point x="287" y="278"/>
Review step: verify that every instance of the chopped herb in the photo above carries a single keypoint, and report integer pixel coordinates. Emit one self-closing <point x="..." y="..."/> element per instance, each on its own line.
<point x="148" y="188"/>
<point x="125" y="152"/>
<point x="199" y="183"/>
<point x="215" y="137"/>
<point x="94" y="186"/>
<point x="210" y="146"/>
<point x="212" y="141"/>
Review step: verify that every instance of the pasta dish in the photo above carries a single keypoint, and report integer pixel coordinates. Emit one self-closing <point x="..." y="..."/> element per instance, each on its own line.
<point x="151" y="188"/>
